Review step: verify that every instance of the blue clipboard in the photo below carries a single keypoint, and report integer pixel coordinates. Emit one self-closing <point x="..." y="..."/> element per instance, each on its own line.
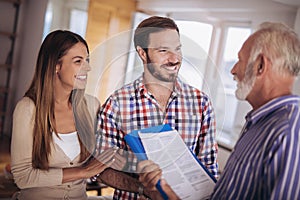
<point x="134" y="141"/>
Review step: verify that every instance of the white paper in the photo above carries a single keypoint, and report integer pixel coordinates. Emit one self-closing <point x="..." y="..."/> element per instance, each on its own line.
<point x="179" y="166"/>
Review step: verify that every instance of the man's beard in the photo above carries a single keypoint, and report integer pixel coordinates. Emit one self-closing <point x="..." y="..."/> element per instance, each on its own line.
<point x="245" y="86"/>
<point x="158" y="75"/>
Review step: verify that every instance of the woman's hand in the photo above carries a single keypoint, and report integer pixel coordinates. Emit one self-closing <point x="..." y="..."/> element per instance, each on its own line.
<point x="111" y="157"/>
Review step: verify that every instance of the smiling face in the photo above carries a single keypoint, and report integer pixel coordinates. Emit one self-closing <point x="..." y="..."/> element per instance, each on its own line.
<point x="73" y="68"/>
<point x="163" y="58"/>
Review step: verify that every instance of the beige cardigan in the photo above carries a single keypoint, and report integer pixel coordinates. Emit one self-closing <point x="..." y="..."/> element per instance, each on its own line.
<point x="36" y="183"/>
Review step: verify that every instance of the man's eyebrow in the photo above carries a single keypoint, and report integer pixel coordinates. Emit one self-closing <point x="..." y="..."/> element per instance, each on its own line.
<point x="162" y="47"/>
<point x="165" y="47"/>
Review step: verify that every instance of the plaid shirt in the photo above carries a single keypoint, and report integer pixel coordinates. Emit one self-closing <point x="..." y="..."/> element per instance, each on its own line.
<point x="132" y="107"/>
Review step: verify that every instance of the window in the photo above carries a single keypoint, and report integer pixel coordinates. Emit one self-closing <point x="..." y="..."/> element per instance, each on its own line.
<point x="236" y="36"/>
<point x="48" y="20"/>
<point x="65" y="15"/>
<point x="195" y="39"/>
<point x="235" y="110"/>
<point x="134" y="64"/>
<point x="78" y="21"/>
<point x="199" y="32"/>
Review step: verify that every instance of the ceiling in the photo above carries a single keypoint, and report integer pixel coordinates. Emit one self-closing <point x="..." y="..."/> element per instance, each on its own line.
<point x="221" y="10"/>
<point x="216" y="5"/>
<point x="289" y="2"/>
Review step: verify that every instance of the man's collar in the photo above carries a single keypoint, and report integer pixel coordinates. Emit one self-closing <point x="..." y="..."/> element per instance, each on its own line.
<point x="141" y="87"/>
<point x="274" y="104"/>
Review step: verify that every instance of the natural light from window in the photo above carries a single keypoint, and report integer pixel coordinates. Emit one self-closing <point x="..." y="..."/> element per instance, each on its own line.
<point x="195" y="39"/>
<point x="236" y="36"/>
<point x="233" y="119"/>
<point x="78" y="21"/>
<point x="199" y="32"/>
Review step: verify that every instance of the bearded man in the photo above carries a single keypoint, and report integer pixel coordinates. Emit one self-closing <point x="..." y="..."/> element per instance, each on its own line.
<point x="157" y="97"/>
<point x="265" y="161"/>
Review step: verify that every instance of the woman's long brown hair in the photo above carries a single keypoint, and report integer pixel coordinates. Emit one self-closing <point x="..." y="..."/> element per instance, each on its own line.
<point x="41" y="91"/>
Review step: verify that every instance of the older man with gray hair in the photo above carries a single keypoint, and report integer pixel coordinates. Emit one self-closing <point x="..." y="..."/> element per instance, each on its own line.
<point x="265" y="161"/>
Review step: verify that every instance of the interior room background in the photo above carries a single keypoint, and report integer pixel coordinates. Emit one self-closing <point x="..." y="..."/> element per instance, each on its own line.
<point x="212" y="33"/>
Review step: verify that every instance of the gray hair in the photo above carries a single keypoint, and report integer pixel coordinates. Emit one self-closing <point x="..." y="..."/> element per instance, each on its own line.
<point x="280" y="44"/>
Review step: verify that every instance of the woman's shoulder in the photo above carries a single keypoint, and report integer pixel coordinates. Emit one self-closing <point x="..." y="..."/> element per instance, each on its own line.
<point x="25" y="105"/>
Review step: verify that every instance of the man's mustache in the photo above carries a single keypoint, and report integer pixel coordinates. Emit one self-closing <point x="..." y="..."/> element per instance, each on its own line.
<point x="170" y="64"/>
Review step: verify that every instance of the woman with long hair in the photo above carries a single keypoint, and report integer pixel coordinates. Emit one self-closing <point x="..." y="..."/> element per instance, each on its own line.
<point x="53" y="136"/>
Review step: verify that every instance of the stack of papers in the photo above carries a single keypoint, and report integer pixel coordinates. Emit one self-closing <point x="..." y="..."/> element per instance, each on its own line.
<point x="180" y="167"/>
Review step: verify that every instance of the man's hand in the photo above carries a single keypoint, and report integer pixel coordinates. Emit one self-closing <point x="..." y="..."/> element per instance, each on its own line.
<point x="150" y="173"/>
<point x="168" y="190"/>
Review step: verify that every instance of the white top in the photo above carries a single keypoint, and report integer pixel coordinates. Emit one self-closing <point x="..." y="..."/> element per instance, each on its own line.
<point x="69" y="143"/>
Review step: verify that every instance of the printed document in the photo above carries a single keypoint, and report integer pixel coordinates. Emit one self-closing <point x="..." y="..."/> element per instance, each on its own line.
<point x="181" y="169"/>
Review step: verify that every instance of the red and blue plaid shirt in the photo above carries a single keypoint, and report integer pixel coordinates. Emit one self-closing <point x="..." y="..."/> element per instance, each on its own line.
<point x="132" y="107"/>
